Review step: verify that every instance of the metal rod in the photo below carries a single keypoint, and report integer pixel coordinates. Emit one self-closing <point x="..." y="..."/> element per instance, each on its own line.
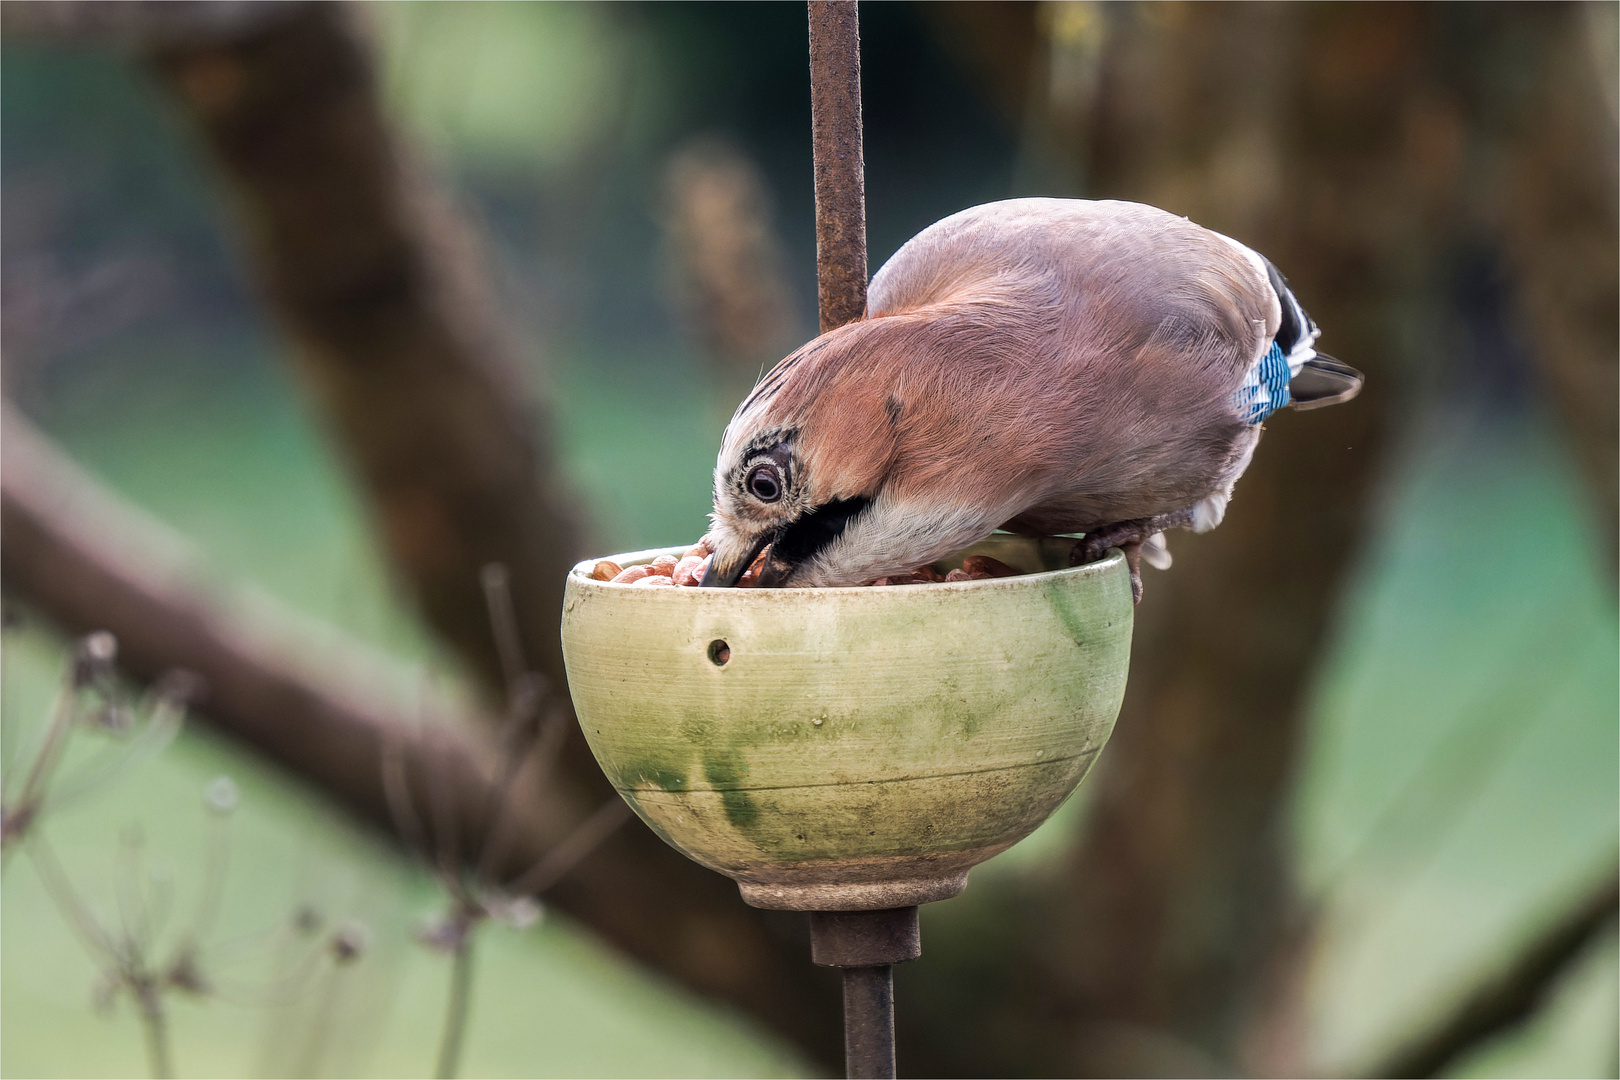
<point x="840" y="169"/>
<point x="869" y="1022"/>
<point x="867" y="945"/>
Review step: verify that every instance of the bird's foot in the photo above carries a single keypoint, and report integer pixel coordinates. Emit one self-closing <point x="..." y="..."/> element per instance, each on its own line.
<point x="1095" y="544"/>
<point x="1129" y="537"/>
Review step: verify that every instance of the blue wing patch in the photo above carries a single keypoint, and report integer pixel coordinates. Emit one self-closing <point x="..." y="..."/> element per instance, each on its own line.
<point x="1265" y="388"/>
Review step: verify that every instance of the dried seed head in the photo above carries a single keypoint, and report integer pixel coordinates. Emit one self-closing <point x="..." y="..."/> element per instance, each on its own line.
<point x="307" y="919"/>
<point x="220" y="796"/>
<point x="115" y="717"/>
<point x="443" y="933"/>
<point x="185" y="973"/>
<point x="349" y="941"/>
<point x="518" y="912"/>
<point x="103" y="994"/>
<point x="178" y="688"/>
<point x="93" y="659"/>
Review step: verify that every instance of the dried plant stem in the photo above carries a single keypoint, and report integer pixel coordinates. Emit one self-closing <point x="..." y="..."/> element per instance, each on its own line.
<point x="17" y="817"/>
<point x="51" y="752"/>
<point x="315" y="1045"/>
<point x="155" y="1025"/>
<point x="457" y="1007"/>
<point x="1515" y="993"/>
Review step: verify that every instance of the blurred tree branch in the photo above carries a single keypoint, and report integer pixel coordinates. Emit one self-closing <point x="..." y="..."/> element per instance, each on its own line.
<point x="329" y="712"/>
<point x="1514" y="994"/>
<point x="379" y="283"/>
<point x="90" y="562"/>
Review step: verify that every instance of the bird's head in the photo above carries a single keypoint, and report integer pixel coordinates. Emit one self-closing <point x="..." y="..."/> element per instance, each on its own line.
<point x="859" y="456"/>
<point x="801" y="466"/>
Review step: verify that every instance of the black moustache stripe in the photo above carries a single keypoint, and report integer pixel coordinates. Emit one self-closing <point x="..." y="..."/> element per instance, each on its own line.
<point x="815" y="530"/>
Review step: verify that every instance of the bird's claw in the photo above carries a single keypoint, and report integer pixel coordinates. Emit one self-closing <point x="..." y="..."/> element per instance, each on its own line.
<point x="1089" y="548"/>
<point x="1127" y="536"/>
<point x="1133" y="559"/>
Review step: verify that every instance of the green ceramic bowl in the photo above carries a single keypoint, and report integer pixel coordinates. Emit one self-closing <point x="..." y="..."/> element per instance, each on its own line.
<point x="851" y="749"/>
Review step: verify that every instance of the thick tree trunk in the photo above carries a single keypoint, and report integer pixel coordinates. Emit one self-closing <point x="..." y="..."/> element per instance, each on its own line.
<point x="1335" y="139"/>
<point x="1558" y="207"/>
<point x="1286" y="127"/>
<point x="378" y="283"/>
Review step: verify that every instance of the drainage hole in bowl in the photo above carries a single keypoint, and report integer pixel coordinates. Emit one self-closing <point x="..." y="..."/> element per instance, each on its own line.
<point x="719" y="652"/>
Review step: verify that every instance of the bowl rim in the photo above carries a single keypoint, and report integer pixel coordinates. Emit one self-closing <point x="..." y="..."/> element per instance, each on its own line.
<point x="581" y="573"/>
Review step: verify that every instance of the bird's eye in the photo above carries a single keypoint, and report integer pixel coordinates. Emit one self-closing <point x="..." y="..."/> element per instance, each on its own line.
<point x="764" y="483"/>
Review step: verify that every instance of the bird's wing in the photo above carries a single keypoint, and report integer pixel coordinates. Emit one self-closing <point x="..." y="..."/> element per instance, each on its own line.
<point x="1153" y="284"/>
<point x="1148" y="325"/>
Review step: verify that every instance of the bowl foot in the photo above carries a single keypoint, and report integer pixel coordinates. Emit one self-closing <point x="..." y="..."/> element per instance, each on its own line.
<point x="853" y="896"/>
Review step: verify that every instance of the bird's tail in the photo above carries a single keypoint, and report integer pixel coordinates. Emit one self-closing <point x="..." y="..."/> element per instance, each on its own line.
<point x="1323" y="381"/>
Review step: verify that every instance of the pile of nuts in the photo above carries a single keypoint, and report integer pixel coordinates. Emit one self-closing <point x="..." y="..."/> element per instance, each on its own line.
<point x="668" y="570"/>
<point x="688" y="570"/>
<point x="974" y="568"/>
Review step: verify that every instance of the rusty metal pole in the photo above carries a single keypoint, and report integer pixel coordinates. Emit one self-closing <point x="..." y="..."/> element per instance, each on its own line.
<point x="835" y="127"/>
<point x="865" y="944"/>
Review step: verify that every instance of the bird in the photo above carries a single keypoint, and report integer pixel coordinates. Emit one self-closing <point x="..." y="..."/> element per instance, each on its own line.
<point x="1040" y="366"/>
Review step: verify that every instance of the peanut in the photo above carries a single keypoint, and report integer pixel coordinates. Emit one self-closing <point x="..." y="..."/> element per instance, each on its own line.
<point x="689" y="569"/>
<point x="654" y="579"/>
<point x="750" y="578"/>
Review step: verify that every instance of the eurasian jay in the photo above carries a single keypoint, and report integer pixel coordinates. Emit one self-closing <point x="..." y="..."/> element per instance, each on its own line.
<point x="1043" y="366"/>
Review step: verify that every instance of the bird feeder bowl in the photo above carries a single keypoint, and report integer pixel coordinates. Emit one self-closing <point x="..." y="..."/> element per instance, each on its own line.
<point x="857" y="749"/>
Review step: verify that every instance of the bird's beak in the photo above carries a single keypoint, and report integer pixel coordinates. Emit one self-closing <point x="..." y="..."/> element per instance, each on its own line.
<point x="730" y="561"/>
<point x="776" y="570"/>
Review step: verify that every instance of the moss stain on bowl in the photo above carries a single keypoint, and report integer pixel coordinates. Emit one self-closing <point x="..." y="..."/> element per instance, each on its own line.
<point x="844" y="749"/>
